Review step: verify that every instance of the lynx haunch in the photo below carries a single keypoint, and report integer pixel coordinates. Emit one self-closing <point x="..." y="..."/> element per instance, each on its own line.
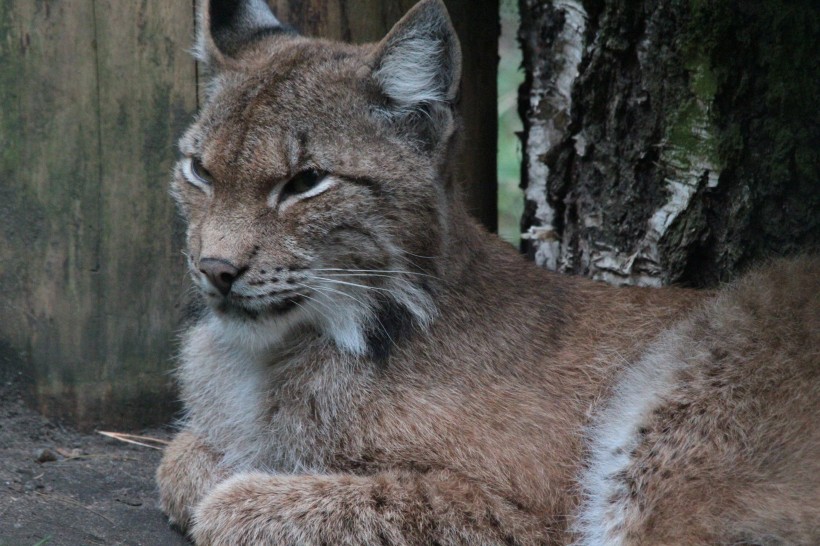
<point x="374" y="368"/>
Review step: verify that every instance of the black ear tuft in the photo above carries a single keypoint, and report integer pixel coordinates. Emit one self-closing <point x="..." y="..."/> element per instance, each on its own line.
<point x="226" y="27"/>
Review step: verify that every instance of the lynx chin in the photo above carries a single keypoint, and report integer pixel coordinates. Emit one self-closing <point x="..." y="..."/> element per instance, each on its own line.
<point x="373" y="368"/>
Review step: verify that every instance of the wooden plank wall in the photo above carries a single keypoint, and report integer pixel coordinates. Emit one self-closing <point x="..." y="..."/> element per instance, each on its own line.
<point x="94" y="94"/>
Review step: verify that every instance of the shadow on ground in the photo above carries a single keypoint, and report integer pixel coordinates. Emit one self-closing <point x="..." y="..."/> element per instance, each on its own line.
<point x="97" y="491"/>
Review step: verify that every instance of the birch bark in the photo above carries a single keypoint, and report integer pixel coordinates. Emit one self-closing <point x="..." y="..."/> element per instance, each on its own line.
<point x="668" y="141"/>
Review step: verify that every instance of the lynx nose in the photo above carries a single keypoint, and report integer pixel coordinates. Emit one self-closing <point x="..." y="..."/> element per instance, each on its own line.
<point x="221" y="273"/>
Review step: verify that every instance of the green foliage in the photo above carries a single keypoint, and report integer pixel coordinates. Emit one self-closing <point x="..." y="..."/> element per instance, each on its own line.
<point x="510" y="76"/>
<point x="691" y="133"/>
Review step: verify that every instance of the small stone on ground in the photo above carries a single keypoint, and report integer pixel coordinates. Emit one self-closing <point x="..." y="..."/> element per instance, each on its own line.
<point x="59" y="487"/>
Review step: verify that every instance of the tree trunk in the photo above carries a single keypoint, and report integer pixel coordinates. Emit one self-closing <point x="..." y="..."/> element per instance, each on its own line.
<point x="670" y="141"/>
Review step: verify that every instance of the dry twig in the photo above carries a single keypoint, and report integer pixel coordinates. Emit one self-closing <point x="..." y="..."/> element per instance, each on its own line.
<point x="144" y="441"/>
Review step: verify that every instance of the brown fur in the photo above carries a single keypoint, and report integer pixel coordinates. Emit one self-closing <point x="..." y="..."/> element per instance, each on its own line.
<point x="466" y="415"/>
<point x="733" y="452"/>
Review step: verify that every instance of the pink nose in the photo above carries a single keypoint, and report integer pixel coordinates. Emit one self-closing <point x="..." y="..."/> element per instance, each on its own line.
<point x="221" y="273"/>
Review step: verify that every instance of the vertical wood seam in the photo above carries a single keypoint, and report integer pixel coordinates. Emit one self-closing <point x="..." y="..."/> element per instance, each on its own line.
<point x="344" y="15"/>
<point x="196" y="63"/>
<point x="97" y="270"/>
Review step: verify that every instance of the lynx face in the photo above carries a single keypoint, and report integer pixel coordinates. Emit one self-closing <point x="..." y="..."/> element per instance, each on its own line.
<point x="311" y="180"/>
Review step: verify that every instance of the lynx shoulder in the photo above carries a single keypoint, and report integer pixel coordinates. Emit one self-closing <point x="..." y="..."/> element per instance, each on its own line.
<point x="374" y="368"/>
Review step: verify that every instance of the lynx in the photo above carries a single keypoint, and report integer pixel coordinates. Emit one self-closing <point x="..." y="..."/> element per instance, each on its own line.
<point x="374" y="368"/>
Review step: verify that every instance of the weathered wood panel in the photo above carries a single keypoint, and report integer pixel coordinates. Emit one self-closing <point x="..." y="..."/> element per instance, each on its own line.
<point x="49" y="192"/>
<point x="476" y="22"/>
<point x="93" y="95"/>
<point x="147" y="86"/>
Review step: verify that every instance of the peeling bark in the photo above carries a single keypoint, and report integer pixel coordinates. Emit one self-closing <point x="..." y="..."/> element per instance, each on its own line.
<point x="550" y="103"/>
<point x="668" y="141"/>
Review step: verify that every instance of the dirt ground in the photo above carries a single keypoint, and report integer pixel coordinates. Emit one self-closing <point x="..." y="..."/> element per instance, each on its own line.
<point x="97" y="491"/>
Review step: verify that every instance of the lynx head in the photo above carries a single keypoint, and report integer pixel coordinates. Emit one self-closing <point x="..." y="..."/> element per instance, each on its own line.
<point x="314" y="180"/>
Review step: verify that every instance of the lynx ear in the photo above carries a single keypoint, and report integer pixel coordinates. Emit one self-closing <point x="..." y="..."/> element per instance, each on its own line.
<point x="226" y="27"/>
<point x="419" y="61"/>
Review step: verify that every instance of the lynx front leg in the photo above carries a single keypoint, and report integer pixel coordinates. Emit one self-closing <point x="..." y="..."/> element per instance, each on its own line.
<point x="189" y="469"/>
<point x="389" y="509"/>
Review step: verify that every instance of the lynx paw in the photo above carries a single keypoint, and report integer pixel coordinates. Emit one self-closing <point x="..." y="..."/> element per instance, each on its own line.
<point x="189" y="469"/>
<point x="245" y="509"/>
<point x="257" y="508"/>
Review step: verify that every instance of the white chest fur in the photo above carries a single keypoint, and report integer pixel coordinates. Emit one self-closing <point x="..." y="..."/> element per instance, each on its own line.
<point x="261" y="406"/>
<point x="223" y="386"/>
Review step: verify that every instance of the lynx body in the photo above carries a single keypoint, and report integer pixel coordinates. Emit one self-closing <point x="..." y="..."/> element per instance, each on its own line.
<point x="374" y="368"/>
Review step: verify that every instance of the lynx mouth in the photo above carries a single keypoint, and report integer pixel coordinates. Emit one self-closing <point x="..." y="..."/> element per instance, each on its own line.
<point x="285" y="306"/>
<point x="250" y="306"/>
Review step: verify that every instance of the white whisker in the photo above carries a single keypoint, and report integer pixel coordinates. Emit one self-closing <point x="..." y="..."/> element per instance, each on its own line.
<point x="386" y="271"/>
<point x="406" y="282"/>
<point x="357" y="285"/>
<point x="327" y="288"/>
<point x="343" y="322"/>
<point x="321" y="288"/>
<point x="323" y="304"/>
<point x="416" y="255"/>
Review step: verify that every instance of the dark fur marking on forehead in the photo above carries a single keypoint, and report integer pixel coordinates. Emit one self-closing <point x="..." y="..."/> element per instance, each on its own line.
<point x="303" y="140"/>
<point x="370" y="183"/>
<point x="244" y="122"/>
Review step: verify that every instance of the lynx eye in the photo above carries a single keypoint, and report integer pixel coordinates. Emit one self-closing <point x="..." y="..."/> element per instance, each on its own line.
<point x="196" y="173"/>
<point x="200" y="171"/>
<point x="306" y="183"/>
<point x="302" y="182"/>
